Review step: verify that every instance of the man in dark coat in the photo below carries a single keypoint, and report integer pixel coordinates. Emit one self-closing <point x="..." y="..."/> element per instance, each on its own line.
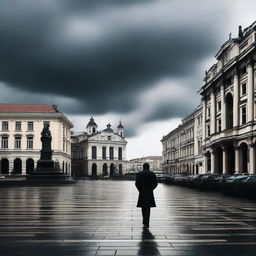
<point x="146" y="182"/>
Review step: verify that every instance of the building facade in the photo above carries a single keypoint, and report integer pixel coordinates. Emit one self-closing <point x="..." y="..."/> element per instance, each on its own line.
<point x="155" y="163"/>
<point x="20" y="134"/>
<point x="225" y="121"/>
<point x="99" y="153"/>
<point x="228" y="97"/>
<point x="179" y="148"/>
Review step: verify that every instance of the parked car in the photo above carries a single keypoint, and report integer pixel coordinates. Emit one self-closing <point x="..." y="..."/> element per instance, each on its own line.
<point x="2" y="177"/>
<point x="236" y="178"/>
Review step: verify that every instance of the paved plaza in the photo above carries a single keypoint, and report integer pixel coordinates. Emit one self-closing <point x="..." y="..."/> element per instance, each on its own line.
<point x="101" y="218"/>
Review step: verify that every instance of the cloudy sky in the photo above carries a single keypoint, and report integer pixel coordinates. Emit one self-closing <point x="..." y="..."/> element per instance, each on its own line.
<point x="139" y="61"/>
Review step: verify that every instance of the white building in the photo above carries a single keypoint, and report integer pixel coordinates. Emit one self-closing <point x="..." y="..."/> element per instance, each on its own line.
<point x="136" y="164"/>
<point x="179" y="148"/>
<point x="228" y="97"/>
<point x="99" y="153"/>
<point x="20" y="134"/>
<point x="225" y="122"/>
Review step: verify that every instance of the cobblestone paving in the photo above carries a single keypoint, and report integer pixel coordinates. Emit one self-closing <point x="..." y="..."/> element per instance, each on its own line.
<point x="101" y="218"/>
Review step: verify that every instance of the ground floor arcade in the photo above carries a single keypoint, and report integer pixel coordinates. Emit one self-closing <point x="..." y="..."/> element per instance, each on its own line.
<point x="231" y="157"/>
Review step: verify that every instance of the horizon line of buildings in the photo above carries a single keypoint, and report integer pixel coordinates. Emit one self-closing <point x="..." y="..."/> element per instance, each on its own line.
<point x="93" y="152"/>
<point x="220" y="135"/>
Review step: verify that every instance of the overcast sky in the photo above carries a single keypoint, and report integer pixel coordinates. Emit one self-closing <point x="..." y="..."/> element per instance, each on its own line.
<point x="139" y="61"/>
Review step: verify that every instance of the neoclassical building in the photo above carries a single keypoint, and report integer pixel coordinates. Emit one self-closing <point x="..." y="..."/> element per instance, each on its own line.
<point x="99" y="153"/>
<point x="224" y="123"/>
<point x="179" y="147"/>
<point x="20" y="133"/>
<point x="228" y="97"/>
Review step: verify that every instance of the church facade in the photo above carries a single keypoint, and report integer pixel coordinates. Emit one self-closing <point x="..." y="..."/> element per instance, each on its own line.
<point x="99" y="153"/>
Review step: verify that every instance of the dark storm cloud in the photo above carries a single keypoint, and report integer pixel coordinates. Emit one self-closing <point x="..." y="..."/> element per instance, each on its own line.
<point x="103" y="53"/>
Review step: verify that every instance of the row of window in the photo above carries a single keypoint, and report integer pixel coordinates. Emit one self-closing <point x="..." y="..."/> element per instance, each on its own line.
<point x="104" y="153"/>
<point x="17" y="142"/>
<point x="5" y="126"/>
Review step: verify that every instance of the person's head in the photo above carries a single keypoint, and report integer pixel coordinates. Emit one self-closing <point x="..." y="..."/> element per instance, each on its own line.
<point x="146" y="166"/>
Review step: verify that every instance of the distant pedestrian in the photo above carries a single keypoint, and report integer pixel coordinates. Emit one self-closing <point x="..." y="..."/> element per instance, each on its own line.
<point x="146" y="182"/>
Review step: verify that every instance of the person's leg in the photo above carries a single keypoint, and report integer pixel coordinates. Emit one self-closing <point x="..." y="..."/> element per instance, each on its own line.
<point x="143" y="214"/>
<point x="147" y="216"/>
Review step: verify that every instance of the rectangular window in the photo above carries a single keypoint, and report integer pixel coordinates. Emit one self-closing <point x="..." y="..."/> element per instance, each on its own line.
<point x="4" y="142"/>
<point x="104" y="154"/>
<point x="111" y="153"/>
<point x="244" y="89"/>
<point x="17" y="126"/>
<point x="120" y="154"/>
<point x="208" y="112"/>
<point x="219" y="125"/>
<point x="30" y="126"/>
<point x="244" y="115"/>
<point x="5" y="126"/>
<point x="17" y="142"/>
<point x="109" y="137"/>
<point x="219" y="106"/>
<point x="30" y="142"/>
<point x="208" y="130"/>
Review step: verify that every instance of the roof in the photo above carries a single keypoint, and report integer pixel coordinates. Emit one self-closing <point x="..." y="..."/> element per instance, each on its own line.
<point x="120" y="126"/>
<point x="91" y="123"/>
<point x="27" y="108"/>
<point x="108" y="129"/>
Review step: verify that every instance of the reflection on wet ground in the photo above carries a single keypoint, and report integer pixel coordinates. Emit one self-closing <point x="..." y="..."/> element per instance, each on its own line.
<point x="101" y="218"/>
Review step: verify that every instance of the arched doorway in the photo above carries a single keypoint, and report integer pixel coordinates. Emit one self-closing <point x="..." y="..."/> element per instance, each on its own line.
<point x="94" y="169"/>
<point x="105" y="169"/>
<point x="219" y="160"/>
<point x="120" y="167"/>
<point x="66" y="167"/>
<point x="17" y="166"/>
<point x="63" y="166"/>
<point x="230" y="159"/>
<point x="244" y="157"/>
<point x="112" y="171"/>
<point x="5" y="166"/>
<point x="229" y="111"/>
<point x="29" y="165"/>
<point x="208" y="162"/>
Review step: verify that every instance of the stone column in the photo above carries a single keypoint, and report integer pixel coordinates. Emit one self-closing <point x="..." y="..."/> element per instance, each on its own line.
<point x="224" y="159"/>
<point x="250" y="93"/>
<point x="223" y="108"/>
<point x="236" y="100"/>
<point x="213" y="110"/>
<point x="213" y="161"/>
<point x="252" y="160"/>
<point x="237" y="160"/>
<point x="205" y="164"/>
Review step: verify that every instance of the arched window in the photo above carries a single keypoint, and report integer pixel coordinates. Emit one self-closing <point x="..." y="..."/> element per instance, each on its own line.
<point x="17" y="166"/>
<point x="105" y="169"/>
<point x="112" y="169"/>
<point x="29" y="165"/>
<point x="5" y="166"/>
<point x="120" y="167"/>
<point x="94" y="169"/>
<point x="94" y="152"/>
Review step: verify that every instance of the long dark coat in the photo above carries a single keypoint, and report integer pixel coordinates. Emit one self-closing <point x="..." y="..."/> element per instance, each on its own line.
<point x="146" y="182"/>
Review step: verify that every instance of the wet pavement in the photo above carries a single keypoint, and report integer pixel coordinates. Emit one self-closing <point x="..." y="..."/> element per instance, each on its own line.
<point x="101" y="218"/>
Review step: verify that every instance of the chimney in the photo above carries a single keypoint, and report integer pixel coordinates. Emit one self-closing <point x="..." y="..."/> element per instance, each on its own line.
<point x="240" y="31"/>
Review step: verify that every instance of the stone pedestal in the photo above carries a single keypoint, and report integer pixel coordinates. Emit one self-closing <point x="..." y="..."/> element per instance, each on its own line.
<point x="45" y="170"/>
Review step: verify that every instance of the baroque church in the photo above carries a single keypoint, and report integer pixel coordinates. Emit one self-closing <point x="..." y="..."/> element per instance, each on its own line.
<point x="99" y="152"/>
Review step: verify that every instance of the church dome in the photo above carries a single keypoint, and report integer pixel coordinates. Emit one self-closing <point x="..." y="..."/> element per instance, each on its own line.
<point x="91" y="123"/>
<point x="108" y="129"/>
